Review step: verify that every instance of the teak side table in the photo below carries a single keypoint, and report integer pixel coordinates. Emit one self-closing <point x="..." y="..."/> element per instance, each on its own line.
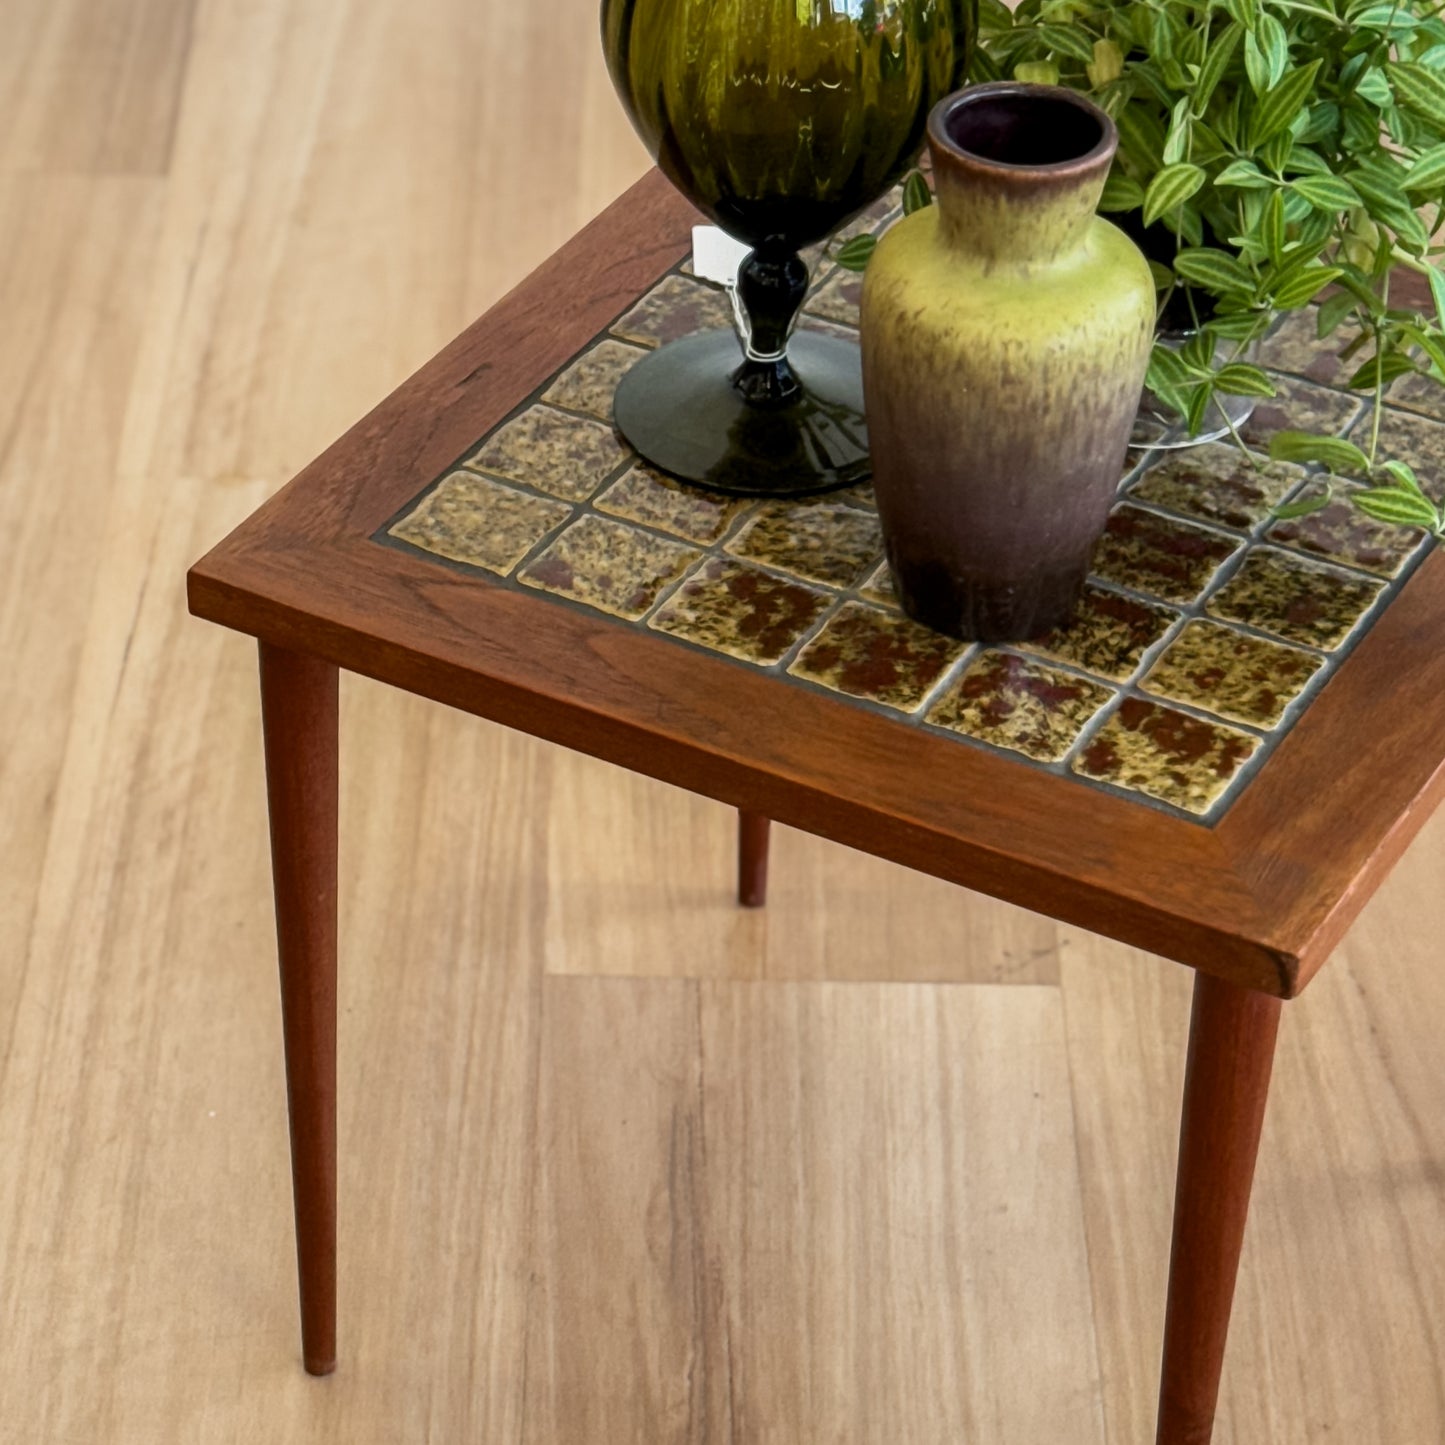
<point x="753" y="654"/>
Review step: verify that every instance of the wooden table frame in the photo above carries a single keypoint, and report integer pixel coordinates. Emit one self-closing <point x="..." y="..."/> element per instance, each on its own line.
<point x="1255" y="903"/>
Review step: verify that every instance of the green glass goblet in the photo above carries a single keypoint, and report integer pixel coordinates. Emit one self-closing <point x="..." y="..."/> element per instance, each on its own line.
<point x="780" y="120"/>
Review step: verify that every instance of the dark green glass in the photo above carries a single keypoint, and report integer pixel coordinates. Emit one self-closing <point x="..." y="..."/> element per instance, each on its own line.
<point x="780" y="120"/>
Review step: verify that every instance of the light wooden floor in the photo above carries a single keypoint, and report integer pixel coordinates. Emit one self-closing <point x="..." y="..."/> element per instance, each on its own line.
<point x="619" y="1163"/>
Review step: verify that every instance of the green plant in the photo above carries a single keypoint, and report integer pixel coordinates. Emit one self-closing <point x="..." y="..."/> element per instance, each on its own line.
<point x="1269" y="149"/>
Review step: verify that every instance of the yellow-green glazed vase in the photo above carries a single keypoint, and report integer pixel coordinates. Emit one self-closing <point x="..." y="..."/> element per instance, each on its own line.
<point x="779" y="120"/>
<point x="1006" y="332"/>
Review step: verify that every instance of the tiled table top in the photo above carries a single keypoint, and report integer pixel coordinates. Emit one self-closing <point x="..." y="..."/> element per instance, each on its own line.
<point x="1207" y="628"/>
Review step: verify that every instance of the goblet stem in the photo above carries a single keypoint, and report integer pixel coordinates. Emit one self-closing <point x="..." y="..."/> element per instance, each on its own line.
<point x="771" y="286"/>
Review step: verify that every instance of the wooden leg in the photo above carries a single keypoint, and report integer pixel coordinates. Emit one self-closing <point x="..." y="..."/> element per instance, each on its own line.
<point x="1231" y="1050"/>
<point x="299" y="722"/>
<point x="752" y="859"/>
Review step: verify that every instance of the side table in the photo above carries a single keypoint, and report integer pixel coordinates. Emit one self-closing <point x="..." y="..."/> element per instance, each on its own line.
<point x="1218" y="762"/>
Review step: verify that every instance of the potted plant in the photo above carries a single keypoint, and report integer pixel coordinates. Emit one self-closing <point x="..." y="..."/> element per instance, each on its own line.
<point x="1270" y="151"/>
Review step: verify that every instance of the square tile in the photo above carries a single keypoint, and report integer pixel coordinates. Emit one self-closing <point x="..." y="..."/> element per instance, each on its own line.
<point x="1017" y="703"/>
<point x="588" y="384"/>
<point x="1295" y="346"/>
<point x="562" y="455"/>
<point x="676" y="307"/>
<point x="609" y="566"/>
<point x="653" y="498"/>
<point x="879" y="588"/>
<point x="741" y="610"/>
<point x="884" y="656"/>
<point x="1151" y="749"/>
<point x="838" y="298"/>
<point x="1218" y="483"/>
<point x="1108" y="634"/>
<point x="1291" y="597"/>
<point x="1415" y="440"/>
<point x="475" y="520"/>
<point x="1419" y="393"/>
<point x="1174" y="561"/>
<point x="1299" y="406"/>
<point x="1340" y="533"/>
<point x="824" y="541"/>
<point x="1231" y="674"/>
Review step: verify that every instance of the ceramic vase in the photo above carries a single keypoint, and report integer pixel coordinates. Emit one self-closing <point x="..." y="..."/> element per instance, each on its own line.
<point x="1006" y="332"/>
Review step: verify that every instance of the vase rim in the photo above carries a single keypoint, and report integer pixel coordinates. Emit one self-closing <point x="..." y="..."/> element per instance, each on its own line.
<point x="1097" y="157"/>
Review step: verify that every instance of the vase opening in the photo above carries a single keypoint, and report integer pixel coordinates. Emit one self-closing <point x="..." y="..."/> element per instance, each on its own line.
<point x="1025" y="126"/>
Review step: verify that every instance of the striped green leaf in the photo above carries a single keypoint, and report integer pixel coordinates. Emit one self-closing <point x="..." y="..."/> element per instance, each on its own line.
<point x="1333" y="452"/>
<point x="1277" y="109"/>
<point x="1398" y="505"/>
<point x="1420" y="88"/>
<point x="1326" y="193"/>
<point x="1216" y="270"/>
<point x="1171" y="187"/>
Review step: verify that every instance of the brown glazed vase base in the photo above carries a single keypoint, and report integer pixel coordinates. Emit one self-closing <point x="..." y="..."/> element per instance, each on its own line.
<point x="984" y="609"/>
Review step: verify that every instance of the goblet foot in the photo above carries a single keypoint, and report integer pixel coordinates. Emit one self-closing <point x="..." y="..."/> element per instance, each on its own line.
<point x="680" y="409"/>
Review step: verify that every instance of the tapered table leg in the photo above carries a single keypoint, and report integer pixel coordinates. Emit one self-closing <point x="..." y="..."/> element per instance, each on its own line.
<point x="1231" y="1051"/>
<point x="752" y="859"/>
<point x="299" y="722"/>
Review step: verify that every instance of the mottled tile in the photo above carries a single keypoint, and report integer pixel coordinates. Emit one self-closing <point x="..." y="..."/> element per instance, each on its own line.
<point x="837" y="299"/>
<point x="646" y="495"/>
<point x="1340" y="533"/>
<point x="1415" y="440"/>
<point x="1159" y="556"/>
<point x="588" y="384"/>
<point x="1016" y="703"/>
<point x="823" y="541"/>
<point x="1151" y="749"/>
<point x="1419" y="393"/>
<point x="1231" y="674"/>
<point x="885" y="656"/>
<point x="835" y="329"/>
<point x="879" y="588"/>
<point x="1294" y="598"/>
<point x="476" y="520"/>
<point x="1299" y="406"/>
<point x="1295" y="346"/>
<point x="741" y="610"/>
<point x="607" y="565"/>
<point x="676" y="307"/>
<point x="1108" y="634"/>
<point x="562" y="455"/>
<point x="1218" y="483"/>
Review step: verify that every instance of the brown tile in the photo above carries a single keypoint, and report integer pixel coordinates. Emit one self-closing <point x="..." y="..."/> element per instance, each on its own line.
<point x="879" y="588"/>
<point x="820" y="327"/>
<point x="562" y="455"/>
<point x="1108" y="635"/>
<point x="1415" y="440"/>
<point x="587" y="385"/>
<point x="1340" y="533"/>
<point x="1164" y="754"/>
<point x="1419" y="393"/>
<point x="476" y="520"/>
<point x="823" y="541"/>
<point x="1299" y="406"/>
<point x="1014" y="702"/>
<point x="741" y="610"/>
<point x="885" y="656"/>
<point x="838" y="297"/>
<point x="1218" y="483"/>
<point x="646" y="495"/>
<point x="1291" y="597"/>
<point x="1296" y="347"/>
<point x="609" y="566"/>
<point x="676" y="307"/>
<point x="1158" y="556"/>
<point x="1232" y="674"/>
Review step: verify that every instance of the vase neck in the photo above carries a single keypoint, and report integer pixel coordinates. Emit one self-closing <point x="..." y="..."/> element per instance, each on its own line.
<point x="1019" y="170"/>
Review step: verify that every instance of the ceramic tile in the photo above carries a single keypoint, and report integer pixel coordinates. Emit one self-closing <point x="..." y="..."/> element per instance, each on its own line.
<point x="1108" y="635"/>
<point x="1296" y="347"/>
<point x="1017" y="703"/>
<point x="1218" y="483"/>
<point x="741" y="610"/>
<point x="553" y="452"/>
<point x="1293" y="598"/>
<point x="1148" y="748"/>
<point x="646" y="495"/>
<point x="883" y="656"/>
<point x="1339" y="533"/>
<point x="475" y="520"/>
<point x="822" y="541"/>
<point x="1245" y="679"/>
<point x="607" y="565"/>
<point x="820" y="327"/>
<point x="1299" y="406"/>
<point x="674" y="308"/>
<point x="1159" y="556"/>
<point x="587" y="385"/>
<point x="879" y="588"/>
<point x="838" y="297"/>
<point x="1419" y="393"/>
<point x="1415" y="440"/>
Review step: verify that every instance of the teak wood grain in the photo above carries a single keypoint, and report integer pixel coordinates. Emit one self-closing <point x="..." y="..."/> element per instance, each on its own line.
<point x="1259" y="899"/>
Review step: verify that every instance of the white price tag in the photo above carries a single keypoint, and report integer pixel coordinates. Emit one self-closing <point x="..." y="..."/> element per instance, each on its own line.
<point x="716" y="256"/>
